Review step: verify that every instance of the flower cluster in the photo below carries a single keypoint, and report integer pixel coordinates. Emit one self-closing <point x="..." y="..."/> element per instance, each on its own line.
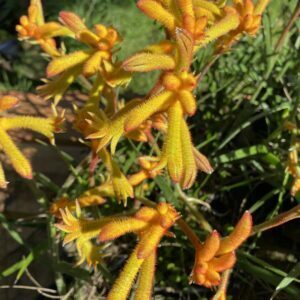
<point x="190" y="26"/>
<point x="159" y="119"/>
<point x="150" y="225"/>
<point x="34" y="28"/>
<point x="216" y="255"/>
<point x="212" y="257"/>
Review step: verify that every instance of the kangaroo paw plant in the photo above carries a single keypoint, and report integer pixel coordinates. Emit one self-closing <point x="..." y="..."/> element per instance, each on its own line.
<point x="158" y="121"/>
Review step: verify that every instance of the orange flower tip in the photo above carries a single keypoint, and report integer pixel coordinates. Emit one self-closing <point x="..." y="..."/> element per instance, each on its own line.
<point x="248" y="217"/>
<point x="215" y="232"/>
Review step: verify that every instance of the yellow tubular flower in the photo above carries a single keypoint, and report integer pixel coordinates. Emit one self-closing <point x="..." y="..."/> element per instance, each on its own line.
<point x="122" y="285"/>
<point x="51" y="29"/>
<point x="146" y="278"/>
<point x="18" y="160"/>
<point x="156" y="11"/>
<point x="228" y="23"/>
<point x="174" y="85"/>
<point x="44" y="126"/>
<point x="151" y="225"/>
<point x="172" y="152"/>
<point x="60" y="64"/>
<point x="41" y="125"/>
<point x="149" y="242"/>
<point x="188" y="158"/>
<point x="145" y="62"/>
<point x="146" y="109"/>
<point x="207" y="5"/>
<point x="122" y="226"/>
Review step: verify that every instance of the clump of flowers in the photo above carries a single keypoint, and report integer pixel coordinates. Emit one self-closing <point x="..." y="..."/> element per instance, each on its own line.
<point x="159" y="119"/>
<point x="216" y="255"/>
